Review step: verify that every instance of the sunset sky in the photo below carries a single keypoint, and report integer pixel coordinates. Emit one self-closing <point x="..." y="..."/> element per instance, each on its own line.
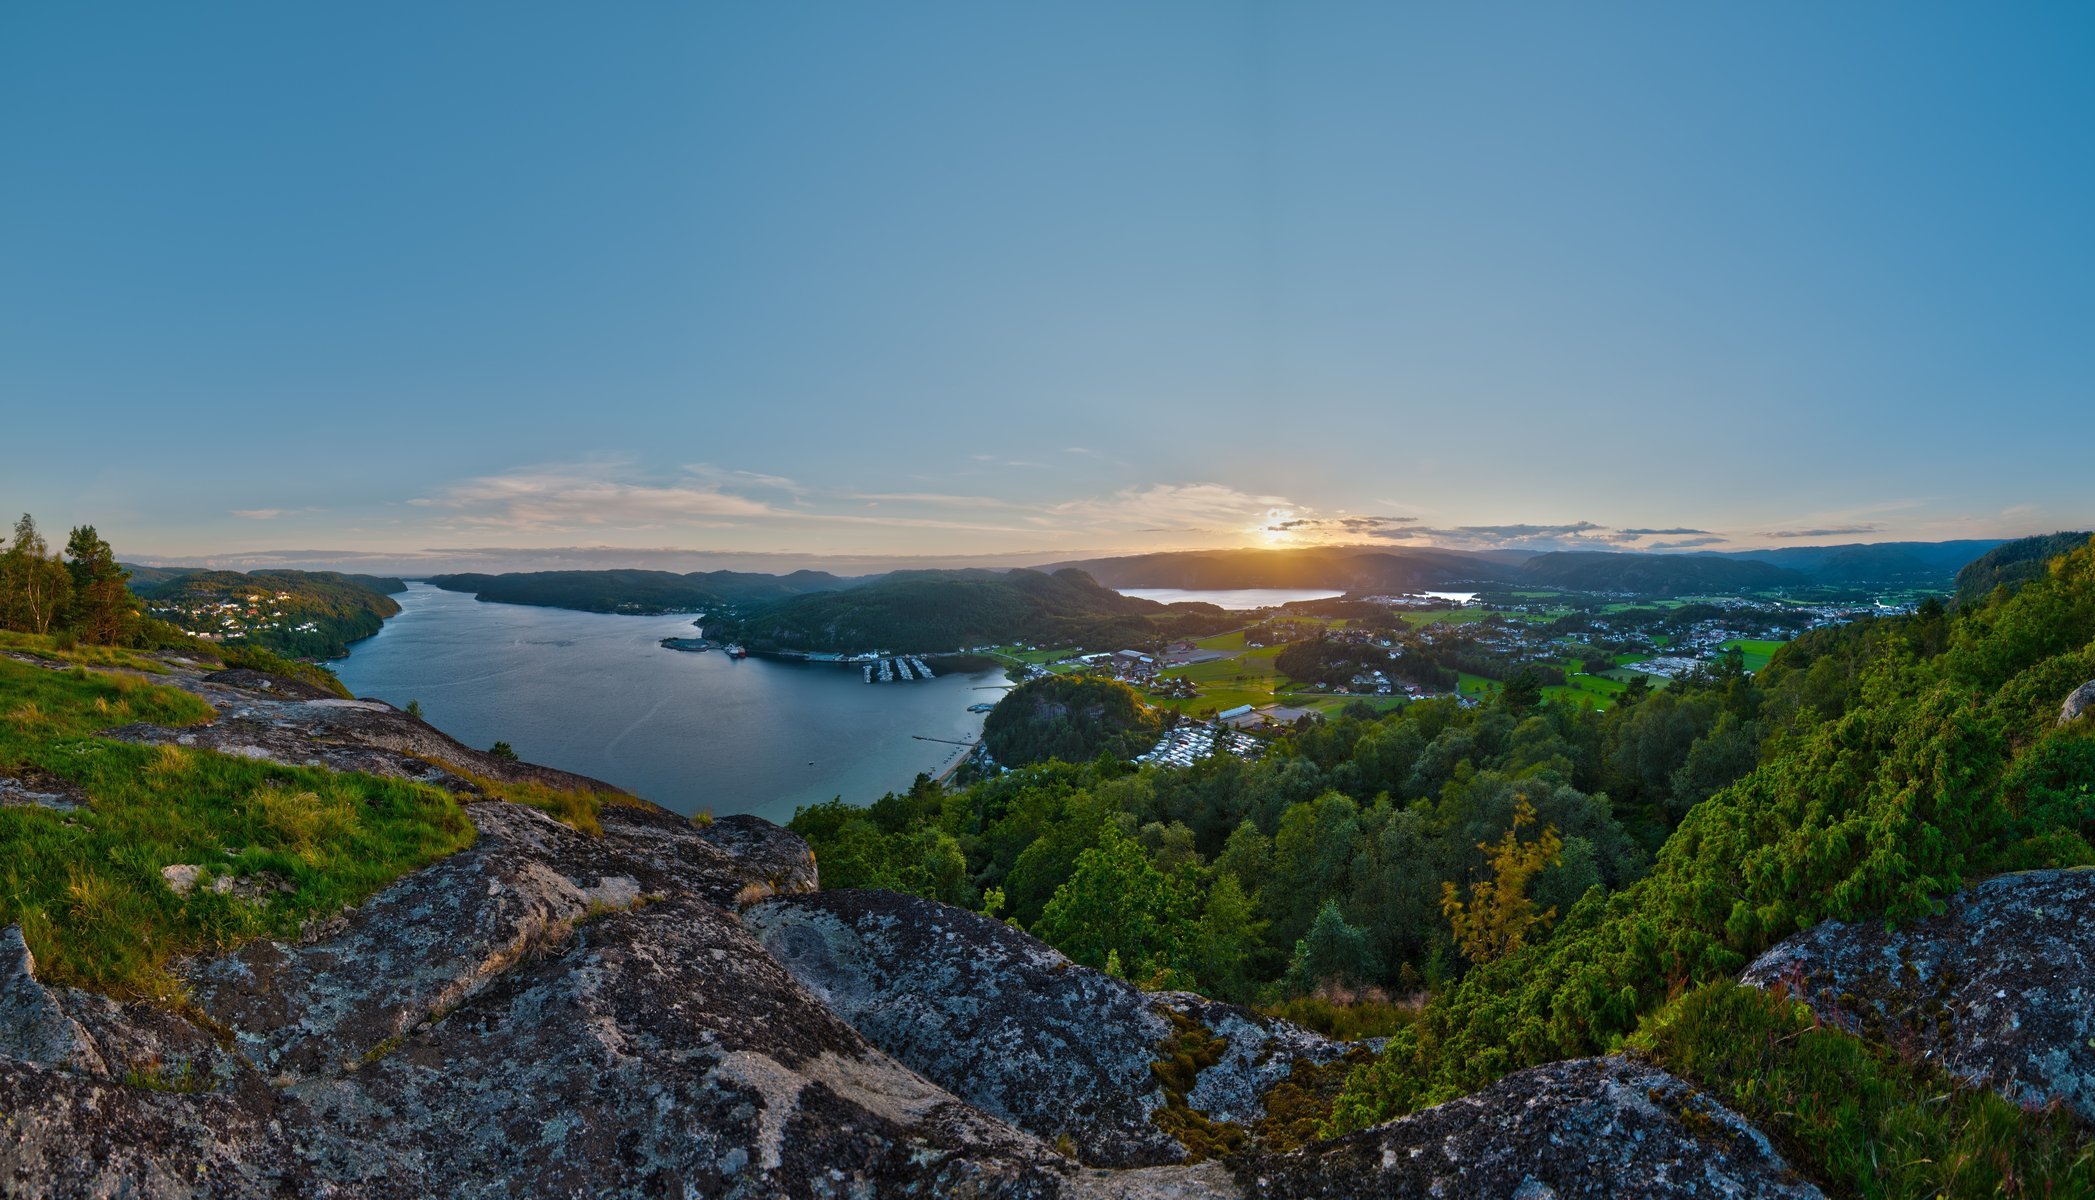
<point x="676" y="284"/>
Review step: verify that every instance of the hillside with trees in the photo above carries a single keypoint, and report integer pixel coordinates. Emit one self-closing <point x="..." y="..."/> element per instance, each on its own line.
<point x="637" y="591"/>
<point x="81" y="597"/>
<point x="1520" y="882"/>
<point x="1071" y="717"/>
<point x="924" y="612"/>
<point x="301" y="614"/>
<point x="2011" y="565"/>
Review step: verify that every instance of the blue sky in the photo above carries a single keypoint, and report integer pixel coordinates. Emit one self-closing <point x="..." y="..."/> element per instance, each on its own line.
<point x="673" y="283"/>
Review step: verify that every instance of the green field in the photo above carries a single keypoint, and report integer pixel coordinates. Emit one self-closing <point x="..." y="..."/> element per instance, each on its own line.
<point x="1757" y="653"/>
<point x="1233" y="640"/>
<point x="1445" y="616"/>
<point x="1477" y="685"/>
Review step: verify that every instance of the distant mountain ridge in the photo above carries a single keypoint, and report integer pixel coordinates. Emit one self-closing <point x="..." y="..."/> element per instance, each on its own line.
<point x="638" y="591"/>
<point x="1405" y="568"/>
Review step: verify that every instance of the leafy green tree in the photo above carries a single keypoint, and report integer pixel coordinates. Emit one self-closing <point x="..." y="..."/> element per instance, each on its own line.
<point x="1312" y="861"/>
<point x="1116" y="902"/>
<point x="1227" y="941"/>
<point x="35" y="587"/>
<point x="503" y="750"/>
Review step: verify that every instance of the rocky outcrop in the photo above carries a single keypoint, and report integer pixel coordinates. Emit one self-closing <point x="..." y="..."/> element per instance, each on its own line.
<point x="2078" y="704"/>
<point x="1999" y="988"/>
<point x="299" y="725"/>
<point x="1593" y="1127"/>
<point x="668" y="1010"/>
<point x="1005" y="1021"/>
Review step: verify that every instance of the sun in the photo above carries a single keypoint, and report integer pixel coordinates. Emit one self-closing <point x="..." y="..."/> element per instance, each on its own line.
<point x="1278" y="528"/>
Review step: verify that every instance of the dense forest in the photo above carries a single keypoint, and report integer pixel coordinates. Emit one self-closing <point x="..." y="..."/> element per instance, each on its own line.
<point x="923" y="612"/>
<point x="303" y="614"/>
<point x="1518" y="883"/>
<point x="637" y="591"/>
<point x="1071" y="717"/>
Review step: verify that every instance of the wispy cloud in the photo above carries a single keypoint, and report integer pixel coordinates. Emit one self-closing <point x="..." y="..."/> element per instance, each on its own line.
<point x="1644" y="533"/>
<point x="1830" y="531"/>
<point x="1687" y="543"/>
<point x="558" y="498"/>
<point x="258" y="514"/>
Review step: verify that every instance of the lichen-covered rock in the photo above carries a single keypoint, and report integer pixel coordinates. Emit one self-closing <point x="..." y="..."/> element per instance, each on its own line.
<point x="2078" y="704"/>
<point x="1593" y="1127"/>
<point x="781" y="862"/>
<point x="1004" y="1020"/>
<point x="34" y="1026"/>
<point x="1998" y="989"/>
<point x="299" y="725"/>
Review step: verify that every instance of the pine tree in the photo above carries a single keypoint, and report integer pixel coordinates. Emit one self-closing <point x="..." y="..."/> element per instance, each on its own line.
<point x="103" y="609"/>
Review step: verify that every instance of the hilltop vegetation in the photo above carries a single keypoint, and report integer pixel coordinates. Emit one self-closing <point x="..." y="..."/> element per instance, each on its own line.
<point x="2012" y="565"/>
<point x="637" y="591"/>
<point x="303" y="614"/>
<point x="1071" y="717"/>
<point x="924" y="612"/>
<point x="1552" y="882"/>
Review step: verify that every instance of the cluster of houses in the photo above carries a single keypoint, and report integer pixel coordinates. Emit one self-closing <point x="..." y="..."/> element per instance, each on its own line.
<point x="239" y="616"/>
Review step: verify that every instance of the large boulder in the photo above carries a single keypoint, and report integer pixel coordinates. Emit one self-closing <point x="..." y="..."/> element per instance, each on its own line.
<point x="1999" y="988"/>
<point x="1592" y="1127"/>
<point x="2078" y="704"/>
<point x="1072" y="1055"/>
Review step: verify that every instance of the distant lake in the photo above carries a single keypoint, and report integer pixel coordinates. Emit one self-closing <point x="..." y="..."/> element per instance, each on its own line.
<point x="595" y="694"/>
<point x="1238" y="598"/>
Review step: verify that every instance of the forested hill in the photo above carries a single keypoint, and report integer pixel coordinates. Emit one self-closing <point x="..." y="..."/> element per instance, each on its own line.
<point x="1655" y="574"/>
<point x="638" y="591"/>
<point x="304" y="614"/>
<point x="938" y="611"/>
<point x="2012" y="565"/>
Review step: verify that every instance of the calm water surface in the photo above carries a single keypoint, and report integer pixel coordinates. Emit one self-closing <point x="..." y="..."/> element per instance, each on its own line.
<point x="1234" y="598"/>
<point x="595" y="694"/>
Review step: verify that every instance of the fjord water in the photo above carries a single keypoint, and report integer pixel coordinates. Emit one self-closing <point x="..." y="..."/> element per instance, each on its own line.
<point x="596" y="694"/>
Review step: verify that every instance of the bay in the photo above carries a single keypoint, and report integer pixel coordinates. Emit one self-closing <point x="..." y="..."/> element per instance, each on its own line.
<point x="595" y="694"/>
<point x="1231" y="598"/>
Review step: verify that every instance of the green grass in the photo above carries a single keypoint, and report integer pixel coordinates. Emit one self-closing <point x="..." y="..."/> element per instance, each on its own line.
<point x="80" y="655"/>
<point x="1857" y="1117"/>
<point x="1446" y="616"/>
<point x="1476" y="685"/>
<point x="1233" y="640"/>
<point x="1757" y="653"/>
<point x="86" y="887"/>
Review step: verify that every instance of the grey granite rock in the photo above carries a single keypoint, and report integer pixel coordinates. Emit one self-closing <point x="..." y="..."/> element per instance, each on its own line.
<point x="1999" y="988"/>
<point x="1004" y="1020"/>
<point x="2078" y="704"/>
<point x="1591" y="1127"/>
